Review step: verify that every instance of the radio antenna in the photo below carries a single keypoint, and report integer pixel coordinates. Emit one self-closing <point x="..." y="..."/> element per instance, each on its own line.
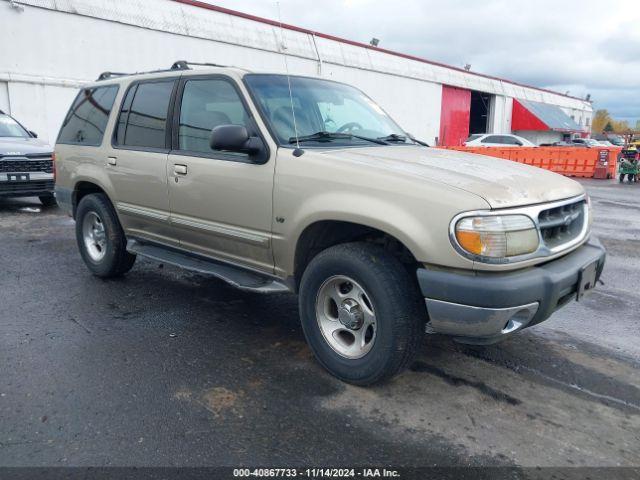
<point x="283" y="47"/>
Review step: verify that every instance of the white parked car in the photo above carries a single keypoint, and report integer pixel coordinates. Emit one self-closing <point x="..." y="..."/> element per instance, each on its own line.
<point x="588" y="142"/>
<point x="497" y="140"/>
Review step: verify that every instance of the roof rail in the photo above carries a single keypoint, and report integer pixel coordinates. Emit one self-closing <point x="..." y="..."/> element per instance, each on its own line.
<point x="184" y="65"/>
<point x="107" y="75"/>
<point x="178" y="65"/>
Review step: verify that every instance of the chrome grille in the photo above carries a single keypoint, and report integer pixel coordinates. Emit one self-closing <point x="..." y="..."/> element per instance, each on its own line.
<point x="26" y="163"/>
<point x="563" y="224"/>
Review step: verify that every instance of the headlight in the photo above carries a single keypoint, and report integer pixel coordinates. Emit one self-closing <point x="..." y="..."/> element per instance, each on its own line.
<point x="587" y="200"/>
<point x="497" y="236"/>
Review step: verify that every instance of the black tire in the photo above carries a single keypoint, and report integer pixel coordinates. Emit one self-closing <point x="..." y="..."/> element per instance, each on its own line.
<point x="621" y="177"/>
<point x="399" y="311"/>
<point x="116" y="260"/>
<point x="48" y="200"/>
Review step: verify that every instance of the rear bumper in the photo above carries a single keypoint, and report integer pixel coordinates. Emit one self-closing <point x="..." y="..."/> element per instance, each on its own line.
<point x="484" y="307"/>
<point x="64" y="197"/>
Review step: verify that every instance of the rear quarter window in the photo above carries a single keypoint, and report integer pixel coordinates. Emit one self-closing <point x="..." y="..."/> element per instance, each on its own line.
<point x="87" y="118"/>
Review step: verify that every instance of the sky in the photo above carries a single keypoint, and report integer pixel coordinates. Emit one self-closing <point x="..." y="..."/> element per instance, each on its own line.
<point x="581" y="47"/>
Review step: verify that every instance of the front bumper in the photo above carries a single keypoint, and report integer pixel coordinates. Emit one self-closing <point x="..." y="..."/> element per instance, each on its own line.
<point x="484" y="307"/>
<point x="37" y="184"/>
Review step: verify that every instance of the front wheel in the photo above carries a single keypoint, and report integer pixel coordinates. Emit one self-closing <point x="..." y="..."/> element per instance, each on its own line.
<point x="48" y="200"/>
<point x="100" y="237"/>
<point x="361" y="312"/>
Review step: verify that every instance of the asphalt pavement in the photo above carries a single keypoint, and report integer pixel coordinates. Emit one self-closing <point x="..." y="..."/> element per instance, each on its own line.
<point x="169" y="368"/>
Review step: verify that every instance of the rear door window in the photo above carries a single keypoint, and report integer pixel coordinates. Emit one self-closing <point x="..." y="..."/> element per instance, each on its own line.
<point x="121" y="126"/>
<point x="143" y="117"/>
<point x="87" y="118"/>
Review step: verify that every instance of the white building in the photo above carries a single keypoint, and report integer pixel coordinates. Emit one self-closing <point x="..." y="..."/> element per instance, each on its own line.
<point x="49" y="48"/>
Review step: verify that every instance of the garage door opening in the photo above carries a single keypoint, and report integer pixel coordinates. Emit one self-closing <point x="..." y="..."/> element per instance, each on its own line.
<point x="464" y="112"/>
<point x="479" y="114"/>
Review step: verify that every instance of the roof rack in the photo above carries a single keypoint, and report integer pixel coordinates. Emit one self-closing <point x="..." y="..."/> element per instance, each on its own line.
<point x="178" y="65"/>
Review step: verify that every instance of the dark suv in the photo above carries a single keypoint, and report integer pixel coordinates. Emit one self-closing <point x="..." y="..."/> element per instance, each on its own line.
<point x="26" y="163"/>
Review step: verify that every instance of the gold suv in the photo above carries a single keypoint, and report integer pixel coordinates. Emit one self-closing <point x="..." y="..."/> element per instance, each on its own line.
<point x="276" y="183"/>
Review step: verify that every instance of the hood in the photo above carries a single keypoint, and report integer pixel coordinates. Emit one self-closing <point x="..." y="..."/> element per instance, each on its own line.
<point x="16" y="146"/>
<point x="501" y="183"/>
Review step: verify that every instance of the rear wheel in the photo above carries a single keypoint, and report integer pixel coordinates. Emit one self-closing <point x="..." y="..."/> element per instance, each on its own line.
<point x="48" y="200"/>
<point x="361" y="312"/>
<point x="100" y="237"/>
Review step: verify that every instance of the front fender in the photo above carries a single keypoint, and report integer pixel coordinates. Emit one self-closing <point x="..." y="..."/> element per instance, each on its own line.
<point x="416" y="210"/>
<point x="362" y="209"/>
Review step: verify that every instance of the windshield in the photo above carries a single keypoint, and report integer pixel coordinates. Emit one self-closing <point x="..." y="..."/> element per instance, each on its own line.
<point x="10" y="128"/>
<point x="321" y="106"/>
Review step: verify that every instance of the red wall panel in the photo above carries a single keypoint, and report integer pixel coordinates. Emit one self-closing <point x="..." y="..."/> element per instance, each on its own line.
<point x="454" y="116"/>
<point x="523" y="119"/>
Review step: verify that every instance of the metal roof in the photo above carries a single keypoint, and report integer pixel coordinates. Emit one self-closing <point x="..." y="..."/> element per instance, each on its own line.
<point x="551" y="115"/>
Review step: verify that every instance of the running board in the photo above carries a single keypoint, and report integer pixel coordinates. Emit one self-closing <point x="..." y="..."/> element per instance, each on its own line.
<point x="237" y="276"/>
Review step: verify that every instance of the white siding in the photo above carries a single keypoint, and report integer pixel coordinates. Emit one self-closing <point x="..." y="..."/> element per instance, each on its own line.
<point x="4" y="97"/>
<point x="500" y="114"/>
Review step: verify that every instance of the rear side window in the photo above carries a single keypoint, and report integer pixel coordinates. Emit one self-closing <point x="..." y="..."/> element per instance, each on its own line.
<point x="142" y="122"/>
<point x="507" y="140"/>
<point x="87" y="119"/>
<point x="492" y="139"/>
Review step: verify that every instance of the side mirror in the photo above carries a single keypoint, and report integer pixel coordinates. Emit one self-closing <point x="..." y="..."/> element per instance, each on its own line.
<point x="33" y="134"/>
<point x="519" y="143"/>
<point x="234" y="138"/>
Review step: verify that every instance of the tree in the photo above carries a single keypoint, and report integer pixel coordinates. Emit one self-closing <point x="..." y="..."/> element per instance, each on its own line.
<point x="600" y="119"/>
<point x="621" y="126"/>
<point x="602" y="122"/>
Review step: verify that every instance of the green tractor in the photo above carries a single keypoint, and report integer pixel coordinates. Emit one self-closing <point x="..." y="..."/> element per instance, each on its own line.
<point x="629" y="165"/>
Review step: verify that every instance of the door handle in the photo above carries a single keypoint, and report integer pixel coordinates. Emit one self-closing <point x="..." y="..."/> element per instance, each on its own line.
<point x="112" y="161"/>
<point x="180" y="169"/>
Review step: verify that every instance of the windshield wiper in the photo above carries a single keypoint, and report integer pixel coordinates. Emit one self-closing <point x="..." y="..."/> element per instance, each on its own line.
<point x="419" y="142"/>
<point x="328" y="136"/>
<point x="394" y="137"/>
